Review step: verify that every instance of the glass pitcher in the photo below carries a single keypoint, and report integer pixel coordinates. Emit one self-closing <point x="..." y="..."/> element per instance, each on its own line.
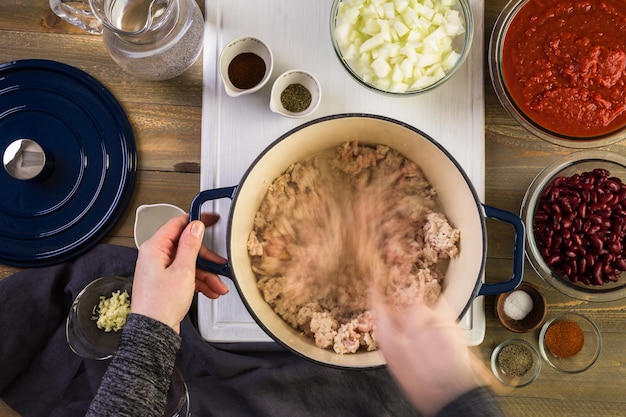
<point x="151" y="39"/>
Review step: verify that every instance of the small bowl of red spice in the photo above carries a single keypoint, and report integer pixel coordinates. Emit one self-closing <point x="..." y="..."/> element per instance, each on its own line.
<point x="570" y="342"/>
<point x="575" y="214"/>
<point x="245" y="65"/>
<point x="558" y="68"/>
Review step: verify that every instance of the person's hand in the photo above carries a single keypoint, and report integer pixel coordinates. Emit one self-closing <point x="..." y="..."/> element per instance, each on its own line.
<point x="166" y="274"/>
<point x="427" y="354"/>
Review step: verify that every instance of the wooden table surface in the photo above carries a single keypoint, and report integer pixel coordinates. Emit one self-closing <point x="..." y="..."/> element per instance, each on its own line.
<point x="166" y="119"/>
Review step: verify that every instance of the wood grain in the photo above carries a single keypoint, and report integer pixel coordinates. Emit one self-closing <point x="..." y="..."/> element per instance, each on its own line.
<point x="166" y="120"/>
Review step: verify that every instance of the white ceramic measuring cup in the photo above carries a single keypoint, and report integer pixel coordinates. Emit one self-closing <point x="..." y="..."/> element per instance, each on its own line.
<point x="245" y="44"/>
<point x="295" y="76"/>
<point x="150" y="217"/>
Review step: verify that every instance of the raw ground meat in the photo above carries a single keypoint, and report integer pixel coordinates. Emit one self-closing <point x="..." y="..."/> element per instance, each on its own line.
<point x="337" y="226"/>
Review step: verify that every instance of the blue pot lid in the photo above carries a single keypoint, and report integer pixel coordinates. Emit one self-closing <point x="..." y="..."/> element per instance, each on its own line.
<point x="89" y="162"/>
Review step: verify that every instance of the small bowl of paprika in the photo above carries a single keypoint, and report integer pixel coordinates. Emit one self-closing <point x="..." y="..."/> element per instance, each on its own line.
<point x="570" y="342"/>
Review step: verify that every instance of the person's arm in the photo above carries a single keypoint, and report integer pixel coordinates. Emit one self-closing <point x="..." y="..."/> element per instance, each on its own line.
<point x="427" y="355"/>
<point x="137" y="380"/>
<point x="477" y="402"/>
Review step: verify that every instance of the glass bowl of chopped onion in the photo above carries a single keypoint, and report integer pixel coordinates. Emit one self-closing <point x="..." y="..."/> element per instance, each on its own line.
<point x="570" y="342"/>
<point x="400" y="47"/>
<point x="516" y="363"/>
<point x="97" y="316"/>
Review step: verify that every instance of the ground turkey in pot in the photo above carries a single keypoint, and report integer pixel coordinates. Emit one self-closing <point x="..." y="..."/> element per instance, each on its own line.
<point x="333" y="227"/>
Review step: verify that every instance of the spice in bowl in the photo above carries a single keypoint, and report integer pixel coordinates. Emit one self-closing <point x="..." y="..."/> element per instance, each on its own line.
<point x="295" y="98"/>
<point x="564" y="339"/>
<point x="515" y="362"/>
<point x="246" y="70"/>
<point x="295" y="93"/>
<point x="570" y="342"/>
<point x="517" y="305"/>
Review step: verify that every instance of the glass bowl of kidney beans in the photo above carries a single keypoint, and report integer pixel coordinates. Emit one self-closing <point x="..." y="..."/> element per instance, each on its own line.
<point x="575" y="216"/>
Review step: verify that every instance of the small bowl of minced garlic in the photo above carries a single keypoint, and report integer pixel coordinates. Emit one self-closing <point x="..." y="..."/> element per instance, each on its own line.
<point x="97" y="316"/>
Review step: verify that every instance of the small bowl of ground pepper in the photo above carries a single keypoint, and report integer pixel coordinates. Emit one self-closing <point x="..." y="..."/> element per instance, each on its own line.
<point x="516" y="363"/>
<point x="570" y="342"/>
<point x="295" y="93"/>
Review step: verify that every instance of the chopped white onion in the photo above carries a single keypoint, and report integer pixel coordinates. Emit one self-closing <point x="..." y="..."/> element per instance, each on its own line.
<point x="398" y="45"/>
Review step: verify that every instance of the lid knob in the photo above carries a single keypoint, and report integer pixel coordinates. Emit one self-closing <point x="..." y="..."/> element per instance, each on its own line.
<point x="24" y="159"/>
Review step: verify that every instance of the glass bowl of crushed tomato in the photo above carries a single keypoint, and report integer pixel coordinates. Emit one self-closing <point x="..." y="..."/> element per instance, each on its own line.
<point x="559" y="68"/>
<point x="570" y="342"/>
<point x="575" y="214"/>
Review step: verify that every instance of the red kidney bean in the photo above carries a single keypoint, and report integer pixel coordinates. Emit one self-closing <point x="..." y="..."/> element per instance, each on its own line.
<point x="612" y="185"/>
<point x="579" y="225"/>
<point x="594" y="218"/>
<point x="620" y="264"/>
<point x="601" y="172"/>
<point x="597" y="243"/>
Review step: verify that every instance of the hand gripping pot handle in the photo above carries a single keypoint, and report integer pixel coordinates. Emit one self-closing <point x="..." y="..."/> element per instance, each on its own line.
<point x="194" y="214"/>
<point x="485" y="289"/>
<point x="518" y="252"/>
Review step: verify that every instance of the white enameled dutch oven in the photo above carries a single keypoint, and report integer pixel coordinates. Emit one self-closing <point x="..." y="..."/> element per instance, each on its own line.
<point x="463" y="279"/>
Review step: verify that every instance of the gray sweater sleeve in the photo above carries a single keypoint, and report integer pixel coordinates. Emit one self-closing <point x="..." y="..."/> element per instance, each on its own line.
<point x="138" y="378"/>
<point x="478" y="402"/>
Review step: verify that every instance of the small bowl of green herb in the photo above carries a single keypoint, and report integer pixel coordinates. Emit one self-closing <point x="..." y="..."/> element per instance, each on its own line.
<point x="295" y="93"/>
<point x="516" y="363"/>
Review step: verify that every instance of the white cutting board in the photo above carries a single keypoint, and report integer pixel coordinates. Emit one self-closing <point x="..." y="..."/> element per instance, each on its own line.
<point x="236" y="130"/>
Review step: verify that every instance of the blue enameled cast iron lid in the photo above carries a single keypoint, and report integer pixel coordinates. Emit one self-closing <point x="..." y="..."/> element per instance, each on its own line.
<point x="69" y="162"/>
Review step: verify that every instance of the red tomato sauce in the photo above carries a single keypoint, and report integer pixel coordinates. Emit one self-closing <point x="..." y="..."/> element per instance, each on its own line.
<point x="564" y="63"/>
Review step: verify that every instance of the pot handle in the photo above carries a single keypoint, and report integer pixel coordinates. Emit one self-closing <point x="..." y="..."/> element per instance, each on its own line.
<point x="518" y="252"/>
<point x="194" y="214"/>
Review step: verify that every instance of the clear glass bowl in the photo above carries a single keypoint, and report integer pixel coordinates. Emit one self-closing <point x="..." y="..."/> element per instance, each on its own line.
<point x="574" y="163"/>
<point x="82" y="334"/>
<point x="496" y="46"/>
<point x="589" y="353"/>
<point x="88" y="341"/>
<point x="514" y="381"/>
<point x="461" y="44"/>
